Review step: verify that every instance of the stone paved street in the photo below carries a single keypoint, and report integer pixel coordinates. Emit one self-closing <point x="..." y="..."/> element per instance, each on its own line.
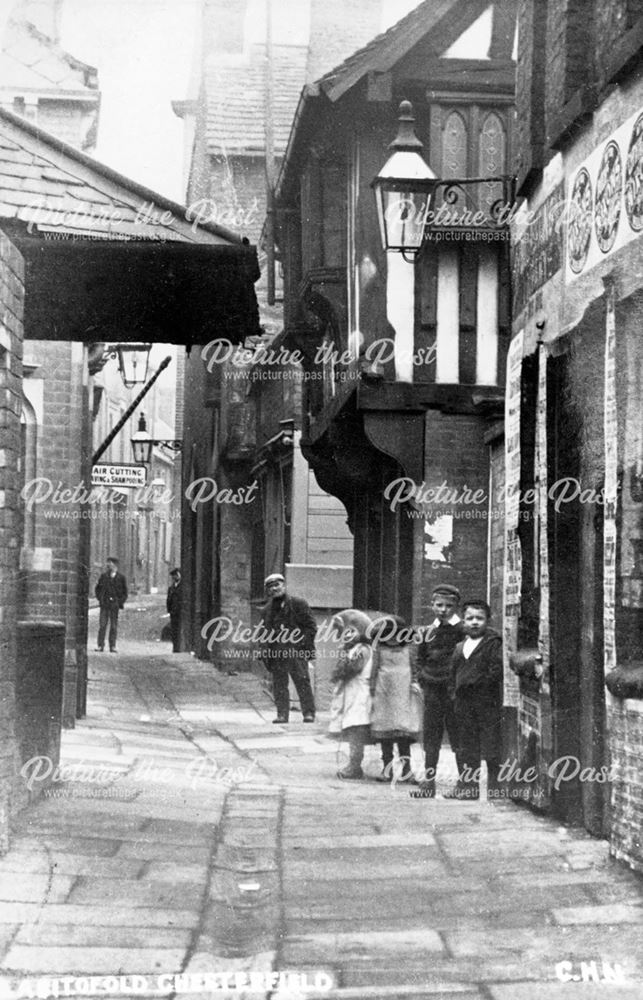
<point x="191" y="835"/>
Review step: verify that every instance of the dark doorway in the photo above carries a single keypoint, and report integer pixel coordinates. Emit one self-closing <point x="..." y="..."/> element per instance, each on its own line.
<point x="576" y="601"/>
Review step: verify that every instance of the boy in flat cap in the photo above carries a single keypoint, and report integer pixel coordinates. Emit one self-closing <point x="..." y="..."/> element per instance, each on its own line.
<point x="289" y="646"/>
<point x="433" y="670"/>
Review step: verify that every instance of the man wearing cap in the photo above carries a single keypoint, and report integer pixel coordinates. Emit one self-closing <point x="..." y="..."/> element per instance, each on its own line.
<point x="289" y="646"/>
<point x="433" y="668"/>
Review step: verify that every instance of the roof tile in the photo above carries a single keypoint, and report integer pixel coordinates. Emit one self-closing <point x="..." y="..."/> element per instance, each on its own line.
<point x="56" y="188"/>
<point x="236" y="99"/>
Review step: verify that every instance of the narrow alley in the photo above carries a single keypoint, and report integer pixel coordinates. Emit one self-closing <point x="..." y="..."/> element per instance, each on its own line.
<point x="187" y="835"/>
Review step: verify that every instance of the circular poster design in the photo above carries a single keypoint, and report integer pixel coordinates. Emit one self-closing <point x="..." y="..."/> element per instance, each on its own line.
<point x="634" y="177"/>
<point x="607" y="201"/>
<point x="580" y="221"/>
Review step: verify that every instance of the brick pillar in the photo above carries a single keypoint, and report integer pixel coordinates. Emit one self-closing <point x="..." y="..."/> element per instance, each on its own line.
<point x="11" y="338"/>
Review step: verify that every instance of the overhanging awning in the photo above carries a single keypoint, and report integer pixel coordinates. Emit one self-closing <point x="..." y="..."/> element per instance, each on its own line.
<point x="168" y="292"/>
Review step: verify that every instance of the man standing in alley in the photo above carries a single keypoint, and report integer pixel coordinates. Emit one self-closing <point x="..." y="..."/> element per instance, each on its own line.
<point x="173" y="605"/>
<point x="111" y="594"/>
<point x="288" y="646"/>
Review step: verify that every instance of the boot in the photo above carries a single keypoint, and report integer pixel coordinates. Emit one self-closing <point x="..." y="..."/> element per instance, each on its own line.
<point x="406" y="774"/>
<point x="350" y="774"/>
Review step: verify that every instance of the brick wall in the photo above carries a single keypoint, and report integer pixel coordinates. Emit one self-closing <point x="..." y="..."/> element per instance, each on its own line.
<point x="55" y="588"/>
<point x="238" y="193"/>
<point x="611" y="22"/>
<point x="11" y="333"/>
<point x="457" y="454"/>
<point x="566" y="64"/>
<point x="497" y="529"/>
<point x="530" y="79"/>
<point x="626" y="744"/>
<point x="236" y="539"/>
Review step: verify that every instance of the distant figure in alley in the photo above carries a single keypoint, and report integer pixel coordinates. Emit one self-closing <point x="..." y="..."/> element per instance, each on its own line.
<point x="173" y="606"/>
<point x="289" y="647"/>
<point x="111" y="594"/>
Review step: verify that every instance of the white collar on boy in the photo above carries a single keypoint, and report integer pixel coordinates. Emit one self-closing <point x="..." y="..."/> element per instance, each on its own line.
<point x="453" y="620"/>
<point x="470" y="644"/>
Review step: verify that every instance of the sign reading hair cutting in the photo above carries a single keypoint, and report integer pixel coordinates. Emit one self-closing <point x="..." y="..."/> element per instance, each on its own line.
<point x="125" y="476"/>
<point x="605" y="204"/>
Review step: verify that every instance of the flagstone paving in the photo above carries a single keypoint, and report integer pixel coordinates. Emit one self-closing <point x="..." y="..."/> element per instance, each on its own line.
<point x="189" y="836"/>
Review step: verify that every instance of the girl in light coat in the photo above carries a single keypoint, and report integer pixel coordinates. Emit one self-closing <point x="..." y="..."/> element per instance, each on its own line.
<point x="396" y="717"/>
<point x="350" y="709"/>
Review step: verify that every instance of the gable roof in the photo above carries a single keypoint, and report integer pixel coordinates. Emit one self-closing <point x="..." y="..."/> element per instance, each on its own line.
<point x="235" y="89"/>
<point x="49" y="186"/>
<point x="386" y="49"/>
<point x="146" y="271"/>
<point x="441" y="21"/>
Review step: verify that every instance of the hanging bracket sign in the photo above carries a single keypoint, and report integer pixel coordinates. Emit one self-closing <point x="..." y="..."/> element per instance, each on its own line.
<point x="125" y="476"/>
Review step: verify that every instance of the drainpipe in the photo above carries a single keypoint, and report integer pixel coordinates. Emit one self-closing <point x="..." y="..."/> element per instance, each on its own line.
<point x="270" y="158"/>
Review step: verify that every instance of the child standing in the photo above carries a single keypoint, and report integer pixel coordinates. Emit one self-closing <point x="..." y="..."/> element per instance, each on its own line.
<point x="476" y="679"/>
<point x="433" y="670"/>
<point x="350" y="709"/>
<point x="392" y="721"/>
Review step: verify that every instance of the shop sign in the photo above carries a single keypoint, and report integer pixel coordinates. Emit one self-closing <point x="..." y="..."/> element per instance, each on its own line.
<point x="125" y="476"/>
<point x="537" y="254"/>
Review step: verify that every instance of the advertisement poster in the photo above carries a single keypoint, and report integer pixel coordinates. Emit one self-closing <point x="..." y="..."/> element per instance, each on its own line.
<point x="605" y="207"/>
<point x="261" y="507"/>
<point x="611" y="487"/>
<point x="513" y="558"/>
<point x="542" y="484"/>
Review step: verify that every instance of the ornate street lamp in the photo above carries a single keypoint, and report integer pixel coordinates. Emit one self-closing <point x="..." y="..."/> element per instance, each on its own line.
<point x="406" y="190"/>
<point x="133" y="361"/>
<point x="142" y="443"/>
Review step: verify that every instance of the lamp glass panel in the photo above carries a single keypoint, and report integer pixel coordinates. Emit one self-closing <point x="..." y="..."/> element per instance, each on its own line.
<point x="402" y="216"/>
<point x="134" y="363"/>
<point x="142" y="449"/>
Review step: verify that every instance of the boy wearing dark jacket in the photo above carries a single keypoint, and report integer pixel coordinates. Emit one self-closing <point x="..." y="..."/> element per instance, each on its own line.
<point x="476" y="681"/>
<point x="433" y="671"/>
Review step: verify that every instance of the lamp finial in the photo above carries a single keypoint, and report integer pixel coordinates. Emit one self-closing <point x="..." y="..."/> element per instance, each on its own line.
<point x="406" y="138"/>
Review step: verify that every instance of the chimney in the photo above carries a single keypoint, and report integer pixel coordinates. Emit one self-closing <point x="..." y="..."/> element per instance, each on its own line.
<point x="45" y="15"/>
<point x="224" y="22"/>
